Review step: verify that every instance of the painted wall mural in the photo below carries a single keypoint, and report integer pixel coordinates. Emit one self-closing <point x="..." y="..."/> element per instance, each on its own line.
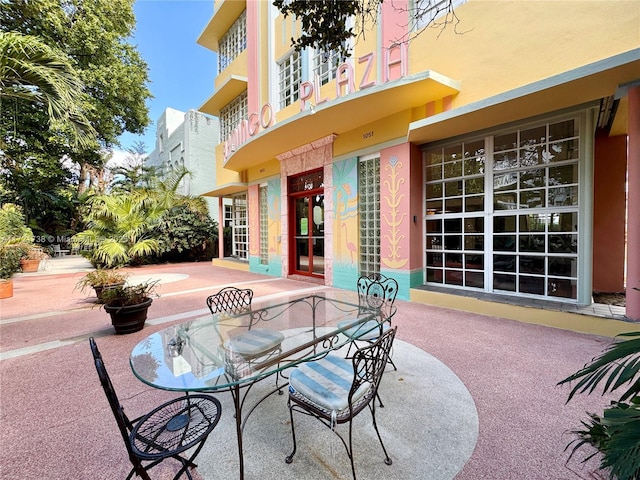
<point x="394" y="215"/>
<point x="345" y="198"/>
<point x="275" y="217"/>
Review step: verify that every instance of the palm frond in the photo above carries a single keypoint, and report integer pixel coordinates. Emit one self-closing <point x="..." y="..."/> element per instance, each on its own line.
<point x="618" y="365"/>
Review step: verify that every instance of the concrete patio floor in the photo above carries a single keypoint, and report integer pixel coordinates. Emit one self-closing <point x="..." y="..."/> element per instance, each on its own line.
<point x="56" y="423"/>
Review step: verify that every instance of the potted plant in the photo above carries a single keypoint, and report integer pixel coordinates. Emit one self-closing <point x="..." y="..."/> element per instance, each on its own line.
<point x="9" y="264"/>
<point x="102" y="279"/>
<point x="128" y="304"/>
<point x="31" y="258"/>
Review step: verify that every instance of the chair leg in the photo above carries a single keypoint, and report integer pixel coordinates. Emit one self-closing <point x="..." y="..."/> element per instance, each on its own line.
<point x="289" y="458"/>
<point x="387" y="459"/>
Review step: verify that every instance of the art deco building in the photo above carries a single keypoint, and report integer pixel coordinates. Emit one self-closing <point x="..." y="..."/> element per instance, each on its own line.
<point x="486" y="159"/>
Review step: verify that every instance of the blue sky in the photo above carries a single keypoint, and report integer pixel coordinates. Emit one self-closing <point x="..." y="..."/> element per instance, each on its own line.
<point x="181" y="72"/>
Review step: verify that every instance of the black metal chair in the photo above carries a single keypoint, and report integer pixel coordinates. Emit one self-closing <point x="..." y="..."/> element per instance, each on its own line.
<point x="230" y="300"/>
<point x="167" y="431"/>
<point x="334" y="390"/>
<point x="376" y="294"/>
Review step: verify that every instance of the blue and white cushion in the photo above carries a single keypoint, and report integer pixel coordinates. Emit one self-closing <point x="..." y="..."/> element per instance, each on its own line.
<point x="326" y="383"/>
<point x="254" y="343"/>
<point x="369" y="330"/>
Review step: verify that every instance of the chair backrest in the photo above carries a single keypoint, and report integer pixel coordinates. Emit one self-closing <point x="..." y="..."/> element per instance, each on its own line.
<point x="124" y="424"/>
<point x="56" y="248"/>
<point x="369" y="364"/>
<point x="377" y="292"/>
<point x="230" y="300"/>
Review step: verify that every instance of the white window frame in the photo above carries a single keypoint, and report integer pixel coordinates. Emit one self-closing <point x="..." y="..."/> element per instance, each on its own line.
<point x="546" y="212"/>
<point x="232" y="114"/>
<point x="289" y="79"/>
<point x="232" y="43"/>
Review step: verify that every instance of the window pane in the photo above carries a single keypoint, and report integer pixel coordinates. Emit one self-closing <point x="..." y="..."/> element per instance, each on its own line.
<point x="473" y="185"/>
<point x="504" y="243"/>
<point x="563" y="175"/>
<point x="532" y="243"/>
<point x="504" y="263"/>
<point x="474" y="204"/>
<point x="453" y="205"/>
<point x="560" y="287"/>
<point x="474" y="279"/>
<point x="474" y="242"/>
<point x="533" y="285"/>
<point x="434" y="226"/>
<point x="434" y="275"/>
<point x="533" y="223"/>
<point x="532" y="199"/>
<point x="505" y="142"/>
<point x="452" y="189"/>
<point x="561" y="151"/>
<point x="532" y="178"/>
<point x="563" y="222"/>
<point x="504" y="282"/>
<point x="453" y="242"/>
<point x="563" y="196"/>
<point x="474" y="262"/>
<point x="505" y="201"/>
<point x="434" y="259"/>
<point x="453" y="225"/>
<point x="453" y="277"/>
<point x="563" y="244"/>
<point x="533" y="136"/>
<point x="563" y="267"/>
<point x="504" y="224"/>
<point x="531" y="265"/>
<point x="564" y="129"/>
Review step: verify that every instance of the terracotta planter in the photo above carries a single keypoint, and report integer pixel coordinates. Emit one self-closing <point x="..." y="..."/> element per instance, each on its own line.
<point x="128" y="319"/>
<point x="6" y="288"/>
<point x="29" y="265"/>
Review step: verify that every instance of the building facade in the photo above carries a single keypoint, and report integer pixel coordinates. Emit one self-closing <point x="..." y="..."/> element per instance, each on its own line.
<point x="188" y="140"/>
<point x="488" y="156"/>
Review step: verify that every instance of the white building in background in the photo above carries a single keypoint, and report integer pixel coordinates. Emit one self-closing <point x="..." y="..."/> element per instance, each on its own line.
<point x="189" y="139"/>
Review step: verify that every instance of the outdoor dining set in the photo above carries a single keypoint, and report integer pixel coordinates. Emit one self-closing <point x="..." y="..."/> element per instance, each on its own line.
<point x="295" y="344"/>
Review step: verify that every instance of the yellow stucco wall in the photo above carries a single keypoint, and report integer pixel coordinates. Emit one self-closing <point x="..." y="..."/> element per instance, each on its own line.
<point x="503" y="45"/>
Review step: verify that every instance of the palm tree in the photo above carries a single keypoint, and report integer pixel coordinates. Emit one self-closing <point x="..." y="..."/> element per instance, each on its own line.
<point x="33" y="71"/>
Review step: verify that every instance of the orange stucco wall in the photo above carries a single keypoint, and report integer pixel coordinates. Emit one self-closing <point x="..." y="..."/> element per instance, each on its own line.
<point x="609" y="213"/>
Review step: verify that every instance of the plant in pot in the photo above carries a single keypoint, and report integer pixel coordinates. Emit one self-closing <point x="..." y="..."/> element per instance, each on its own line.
<point x="9" y="264"/>
<point x="128" y="304"/>
<point x="102" y="279"/>
<point x="31" y="257"/>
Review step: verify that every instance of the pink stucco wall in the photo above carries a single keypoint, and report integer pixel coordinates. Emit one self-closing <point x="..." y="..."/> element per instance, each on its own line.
<point x="609" y="213"/>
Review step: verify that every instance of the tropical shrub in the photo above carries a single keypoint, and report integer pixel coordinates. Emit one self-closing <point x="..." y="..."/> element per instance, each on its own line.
<point x="186" y="235"/>
<point x="615" y="433"/>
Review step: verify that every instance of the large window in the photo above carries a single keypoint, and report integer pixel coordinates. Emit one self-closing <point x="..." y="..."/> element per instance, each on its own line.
<point x="240" y="236"/>
<point x="233" y="42"/>
<point x="523" y="239"/>
<point x="369" y="214"/>
<point x="232" y="114"/>
<point x="289" y="80"/>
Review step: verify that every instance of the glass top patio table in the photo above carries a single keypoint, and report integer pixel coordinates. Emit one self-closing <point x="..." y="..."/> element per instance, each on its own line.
<point x="199" y="355"/>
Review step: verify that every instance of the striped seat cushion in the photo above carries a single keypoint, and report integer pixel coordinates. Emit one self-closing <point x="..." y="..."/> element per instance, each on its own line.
<point x="369" y="330"/>
<point x="326" y="383"/>
<point x="254" y="343"/>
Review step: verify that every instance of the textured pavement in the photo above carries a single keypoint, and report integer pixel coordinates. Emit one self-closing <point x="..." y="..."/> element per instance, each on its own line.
<point x="56" y="423"/>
